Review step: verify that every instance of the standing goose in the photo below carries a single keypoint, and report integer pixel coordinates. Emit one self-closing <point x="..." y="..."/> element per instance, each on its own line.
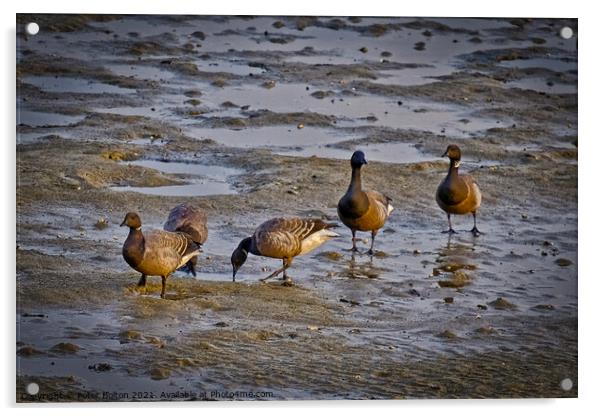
<point x="192" y="220"/>
<point x="283" y="238"/>
<point x="458" y="194"/>
<point x="363" y="210"/>
<point x="157" y="252"/>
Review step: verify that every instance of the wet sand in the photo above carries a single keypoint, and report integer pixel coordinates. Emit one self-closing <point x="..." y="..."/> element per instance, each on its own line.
<point x="252" y="118"/>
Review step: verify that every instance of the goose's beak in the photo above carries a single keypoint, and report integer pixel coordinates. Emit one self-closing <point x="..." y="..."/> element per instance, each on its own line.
<point x="122" y="224"/>
<point x="444" y="154"/>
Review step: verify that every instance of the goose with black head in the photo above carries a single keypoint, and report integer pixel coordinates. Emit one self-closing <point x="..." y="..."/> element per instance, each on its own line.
<point x="458" y="194"/>
<point x="363" y="210"/>
<point x="156" y="252"/>
<point x="283" y="238"/>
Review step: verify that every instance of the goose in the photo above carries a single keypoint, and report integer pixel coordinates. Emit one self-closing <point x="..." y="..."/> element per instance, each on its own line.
<point x="157" y="252"/>
<point x="458" y="194"/>
<point x="283" y="238"/>
<point x="363" y="210"/>
<point x="192" y="220"/>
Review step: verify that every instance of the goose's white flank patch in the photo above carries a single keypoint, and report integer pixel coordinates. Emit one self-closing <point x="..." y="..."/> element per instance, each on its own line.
<point x="316" y="240"/>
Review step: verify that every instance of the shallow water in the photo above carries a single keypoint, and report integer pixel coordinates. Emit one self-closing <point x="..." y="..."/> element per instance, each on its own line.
<point x="74" y="85"/>
<point x="43" y="119"/>
<point x="388" y="153"/>
<point x="204" y="179"/>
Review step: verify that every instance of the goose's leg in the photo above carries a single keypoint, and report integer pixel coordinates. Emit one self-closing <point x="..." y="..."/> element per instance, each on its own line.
<point x="475" y="230"/>
<point x="371" y="251"/>
<point x="451" y="230"/>
<point x="276" y="273"/>
<point x="353" y="248"/>
<point x="190" y="266"/>
<point x="163" y="282"/>
<point x="142" y="281"/>
<point x="287" y="279"/>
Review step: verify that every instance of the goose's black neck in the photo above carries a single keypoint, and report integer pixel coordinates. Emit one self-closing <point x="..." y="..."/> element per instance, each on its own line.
<point x="247" y="245"/>
<point x="453" y="168"/>
<point x="133" y="249"/>
<point x="356" y="179"/>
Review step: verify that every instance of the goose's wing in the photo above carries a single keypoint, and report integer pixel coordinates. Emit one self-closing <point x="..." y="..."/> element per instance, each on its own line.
<point x="284" y="237"/>
<point x="381" y="202"/>
<point x="188" y="219"/>
<point x="474" y="190"/>
<point x="469" y="180"/>
<point x="169" y="246"/>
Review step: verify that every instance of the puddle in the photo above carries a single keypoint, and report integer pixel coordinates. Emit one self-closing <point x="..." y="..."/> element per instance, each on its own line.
<point x="557" y="65"/>
<point x="383" y="152"/>
<point x="413" y="76"/>
<point x="141" y="71"/>
<point x="541" y="85"/>
<point x="97" y="336"/>
<point x="354" y="111"/>
<point x="202" y="179"/>
<point x="268" y="137"/>
<point x="133" y="111"/>
<point x="152" y="142"/>
<point x="232" y="67"/>
<point x="74" y="85"/>
<point x="41" y="119"/>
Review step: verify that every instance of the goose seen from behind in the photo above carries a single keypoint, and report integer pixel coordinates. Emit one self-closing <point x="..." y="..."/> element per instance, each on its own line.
<point x="458" y="194"/>
<point x="363" y="210"/>
<point x="192" y="220"/>
<point x="283" y="238"/>
<point x="156" y="252"/>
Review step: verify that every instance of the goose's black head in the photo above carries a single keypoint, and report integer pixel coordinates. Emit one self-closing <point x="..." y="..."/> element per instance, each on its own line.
<point x="453" y="152"/>
<point x="239" y="256"/>
<point x="358" y="159"/>
<point x="132" y="220"/>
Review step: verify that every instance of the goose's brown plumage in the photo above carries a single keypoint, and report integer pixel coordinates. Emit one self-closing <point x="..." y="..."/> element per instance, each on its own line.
<point x="458" y="194"/>
<point x="157" y="252"/>
<point x="192" y="220"/>
<point x="363" y="210"/>
<point x="283" y="238"/>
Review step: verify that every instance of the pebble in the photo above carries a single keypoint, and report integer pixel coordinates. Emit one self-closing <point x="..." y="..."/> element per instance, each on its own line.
<point x="66" y="348"/>
<point x="159" y="373"/>
<point x="414" y="292"/>
<point x="502" y="304"/>
<point x="448" y="299"/>
<point x="563" y="262"/>
<point x="447" y="334"/>
<point x="98" y="367"/>
<point x="419" y="46"/>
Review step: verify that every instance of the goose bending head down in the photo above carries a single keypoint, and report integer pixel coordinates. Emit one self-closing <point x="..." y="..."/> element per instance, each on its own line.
<point x="156" y="252"/>
<point x="458" y="194"/>
<point x="283" y="238"/>
<point x="363" y="210"/>
<point x="192" y="220"/>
